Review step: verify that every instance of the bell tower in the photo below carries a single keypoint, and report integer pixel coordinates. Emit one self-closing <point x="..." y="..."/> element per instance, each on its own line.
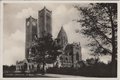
<point x="44" y="22"/>
<point x="31" y="33"/>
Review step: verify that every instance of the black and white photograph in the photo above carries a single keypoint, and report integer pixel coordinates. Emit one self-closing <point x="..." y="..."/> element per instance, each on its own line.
<point x="60" y="40"/>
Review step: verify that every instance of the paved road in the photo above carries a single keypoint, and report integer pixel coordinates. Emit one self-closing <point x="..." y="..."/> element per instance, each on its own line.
<point x="39" y="75"/>
<point x="62" y="76"/>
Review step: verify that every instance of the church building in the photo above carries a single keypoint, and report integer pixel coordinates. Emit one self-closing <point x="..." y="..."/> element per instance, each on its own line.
<point x="71" y="53"/>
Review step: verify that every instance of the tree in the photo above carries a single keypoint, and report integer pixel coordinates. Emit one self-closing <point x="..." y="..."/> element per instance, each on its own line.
<point x="99" y="23"/>
<point x="45" y="50"/>
<point x="92" y="61"/>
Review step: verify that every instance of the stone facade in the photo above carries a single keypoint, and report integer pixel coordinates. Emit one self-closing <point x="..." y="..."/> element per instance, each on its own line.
<point x="62" y="38"/>
<point x="71" y="53"/>
<point x="71" y="56"/>
<point x="31" y="34"/>
<point x="44" y="22"/>
<point x="26" y="65"/>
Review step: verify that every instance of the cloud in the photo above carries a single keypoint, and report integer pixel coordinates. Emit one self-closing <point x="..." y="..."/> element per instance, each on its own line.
<point x="25" y="13"/>
<point x="18" y="36"/>
<point x="14" y="47"/>
<point x="13" y="54"/>
<point x="62" y="16"/>
<point x="70" y="30"/>
<point x="85" y="53"/>
<point x="14" y="42"/>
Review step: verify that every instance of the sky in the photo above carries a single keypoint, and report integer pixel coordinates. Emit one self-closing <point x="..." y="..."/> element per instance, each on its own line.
<point x="63" y="14"/>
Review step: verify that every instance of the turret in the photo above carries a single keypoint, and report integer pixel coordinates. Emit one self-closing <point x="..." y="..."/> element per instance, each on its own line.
<point x="62" y="37"/>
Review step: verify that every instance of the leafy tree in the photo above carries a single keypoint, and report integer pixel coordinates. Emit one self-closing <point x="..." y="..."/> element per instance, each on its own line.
<point x="5" y="68"/>
<point x="99" y="23"/>
<point x="45" y="50"/>
<point x="92" y="61"/>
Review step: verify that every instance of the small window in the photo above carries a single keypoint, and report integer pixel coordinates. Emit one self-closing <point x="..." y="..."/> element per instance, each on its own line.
<point x="66" y="59"/>
<point x="32" y="66"/>
<point x="29" y="67"/>
<point x="77" y="56"/>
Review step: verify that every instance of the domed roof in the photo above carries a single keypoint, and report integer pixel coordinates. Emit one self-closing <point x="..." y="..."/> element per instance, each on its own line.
<point x="62" y="33"/>
<point x="62" y="36"/>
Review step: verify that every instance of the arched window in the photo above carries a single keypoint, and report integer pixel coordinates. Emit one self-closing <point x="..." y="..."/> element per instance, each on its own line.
<point x="32" y="66"/>
<point x="19" y="67"/>
<point x="70" y="53"/>
<point x="77" y="56"/>
<point x="66" y="60"/>
<point x="29" y="67"/>
<point x="25" y="66"/>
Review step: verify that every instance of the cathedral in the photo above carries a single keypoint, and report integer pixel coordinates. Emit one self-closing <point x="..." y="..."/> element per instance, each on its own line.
<point x="71" y="53"/>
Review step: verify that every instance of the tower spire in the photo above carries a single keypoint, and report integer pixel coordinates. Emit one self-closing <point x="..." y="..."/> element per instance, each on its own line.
<point x="62" y="36"/>
<point x="44" y="8"/>
<point x="44" y="22"/>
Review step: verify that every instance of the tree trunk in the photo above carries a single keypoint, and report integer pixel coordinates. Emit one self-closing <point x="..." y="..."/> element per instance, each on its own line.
<point x="113" y="62"/>
<point x="43" y="70"/>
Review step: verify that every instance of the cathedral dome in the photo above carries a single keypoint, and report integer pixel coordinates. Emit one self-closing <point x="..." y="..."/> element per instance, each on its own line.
<point x="62" y="37"/>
